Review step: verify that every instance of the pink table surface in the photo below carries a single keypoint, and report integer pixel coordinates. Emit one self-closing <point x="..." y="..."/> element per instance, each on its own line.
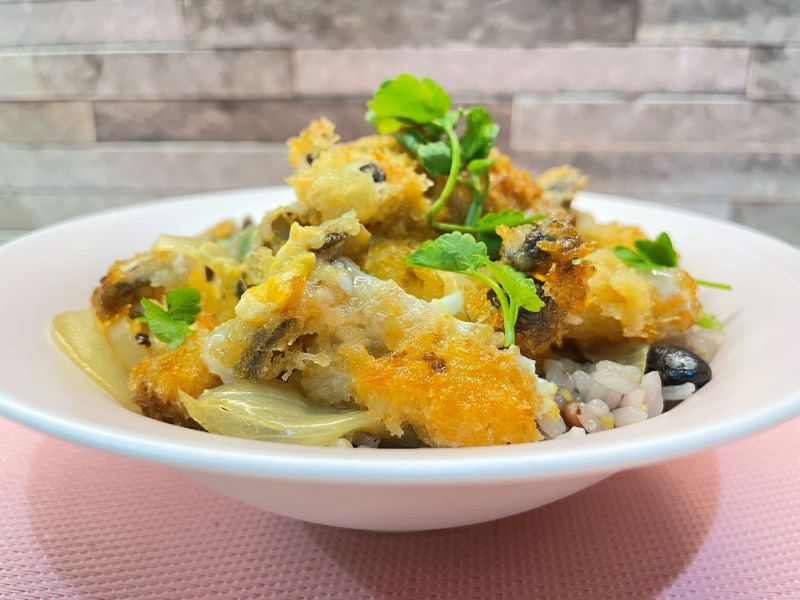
<point x="75" y="523"/>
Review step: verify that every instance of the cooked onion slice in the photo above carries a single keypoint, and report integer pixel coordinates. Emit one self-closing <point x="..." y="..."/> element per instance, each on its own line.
<point x="274" y="412"/>
<point x="79" y="336"/>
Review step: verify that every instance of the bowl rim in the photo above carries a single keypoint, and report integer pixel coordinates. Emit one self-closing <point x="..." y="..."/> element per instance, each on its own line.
<point x="608" y="452"/>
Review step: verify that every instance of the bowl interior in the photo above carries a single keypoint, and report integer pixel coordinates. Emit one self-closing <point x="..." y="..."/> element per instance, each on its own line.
<point x="55" y="269"/>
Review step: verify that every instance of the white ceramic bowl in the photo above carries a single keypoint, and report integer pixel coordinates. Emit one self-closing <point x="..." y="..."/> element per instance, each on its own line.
<point x="755" y="381"/>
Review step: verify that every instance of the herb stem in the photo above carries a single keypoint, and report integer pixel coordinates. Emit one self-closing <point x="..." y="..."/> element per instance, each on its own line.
<point x="478" y="198"/>
<point x="505" y="307"/>
<point x="454" y="227"/>
<point x="452" y="177"/>
<point x="712" y="284"/>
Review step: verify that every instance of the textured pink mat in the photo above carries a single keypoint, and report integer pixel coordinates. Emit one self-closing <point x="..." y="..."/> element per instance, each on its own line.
<point x="75" y="523"/>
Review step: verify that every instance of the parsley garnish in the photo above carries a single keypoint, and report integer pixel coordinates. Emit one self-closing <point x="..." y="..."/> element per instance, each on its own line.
<point x="418" y="113"/>
<point x="460" y="253"/>
<point x="709" y="321"/>
<point x="655" y="254"/>
<point x="171" y="326"/>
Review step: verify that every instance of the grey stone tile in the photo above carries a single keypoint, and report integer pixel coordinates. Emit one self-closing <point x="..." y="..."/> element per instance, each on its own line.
<point x="138" y="75"/>
<point x="167" y="166"/>
<point x="642" y="174"/>
<point x="771" y="21"/>
<point x="90" y="21"/>
<point x="354" y="24"/>
<point x="255" y="120"/>
<point x="517" y="70"/>
<point x="774" y="73"/>
<point x="46" y="122"/>
<point x="780" y="220"/>
<point x="653" y="123"/>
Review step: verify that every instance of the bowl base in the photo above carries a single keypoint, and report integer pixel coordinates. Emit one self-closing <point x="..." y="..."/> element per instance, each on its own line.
<point x="394" y="508"/>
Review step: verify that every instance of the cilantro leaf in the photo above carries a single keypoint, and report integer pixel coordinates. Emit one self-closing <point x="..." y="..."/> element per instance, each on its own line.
<point x="171" y="326"/>
<point x="521" y="290"/>
<point x="383" y="124"/>
<point x="654" y="254"/>
<point x="709" y="321"/>
<point x="407" y="100"/>
<point x="412" y="139"/>
<point x="456" y="252"/>
<point x="480" y="134"/>
<point x="633" y="259"/>
<point x="460" y="253"/>
<point x="659" y="252"/>
<point x="493" y="244"/>
<point x="435" y="157"/>
<point x="649" y="254"/>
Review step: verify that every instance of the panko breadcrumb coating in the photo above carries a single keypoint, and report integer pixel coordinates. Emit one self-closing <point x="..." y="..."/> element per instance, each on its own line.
<point x="513" y="188"/>
<point x="455" y="391"/>
<point x="629" y="304"/>
<point x="157" y="379"/>
<point x="386" y="260"/>
<point x="374" y="176"/>
<point x="607" y="235"/>
<point x="337" y="329"/>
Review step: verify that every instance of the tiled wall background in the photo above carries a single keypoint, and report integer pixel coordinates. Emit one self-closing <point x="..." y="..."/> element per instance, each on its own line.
<point x="690" y="102"/>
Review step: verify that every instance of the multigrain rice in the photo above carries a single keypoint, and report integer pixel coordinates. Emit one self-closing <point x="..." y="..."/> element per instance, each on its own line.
<point x="607" y="394"/>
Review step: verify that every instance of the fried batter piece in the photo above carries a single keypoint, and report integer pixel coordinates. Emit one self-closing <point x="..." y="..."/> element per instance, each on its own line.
<point x="607" y="235"/>
<point x="560" y="184"/>
<point x="455" y="391"/>
<point x="320" y="321"/>
<point x="628" y="304"/>
<point x="386" y="260"/>
<point x="513" y="188"/>
<point x="374" y="176"/>
<point x="157" y="379"/>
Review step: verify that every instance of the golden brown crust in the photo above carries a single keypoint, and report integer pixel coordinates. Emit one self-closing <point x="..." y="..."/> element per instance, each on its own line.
<point x="453" y="391"/>
<point x="628" y="304"/>
<point x="374" y="176"/>
<point x="386" y="260"/>
<point x="157" y="379"/>
<point x="511" y="188"/>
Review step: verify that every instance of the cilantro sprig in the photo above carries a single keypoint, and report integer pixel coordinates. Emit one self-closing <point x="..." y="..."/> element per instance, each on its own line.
<point x="461" y="253"/>
<point x="655" y="254"/>
<point x="419" y="113"/>
<point x="172" y="325"/>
